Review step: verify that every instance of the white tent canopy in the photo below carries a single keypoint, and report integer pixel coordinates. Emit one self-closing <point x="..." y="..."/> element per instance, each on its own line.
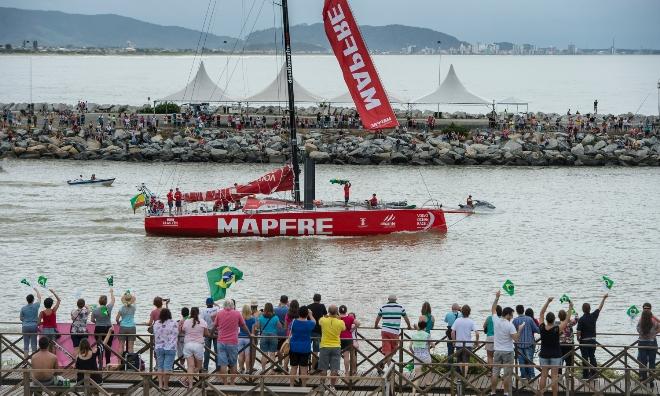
<point x="200" y="89"/>
<point x="452" y="91"/>
<point x="512" y="100"/>
<point x="347" y="98"/>
<point x="277" y="91"/>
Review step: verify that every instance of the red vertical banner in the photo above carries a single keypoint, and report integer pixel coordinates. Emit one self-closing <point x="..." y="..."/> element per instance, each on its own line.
<point x="359" y="72"/>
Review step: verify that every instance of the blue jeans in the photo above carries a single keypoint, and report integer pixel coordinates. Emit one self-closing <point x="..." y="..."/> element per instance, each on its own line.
<point x="207" y="350"/>
<point x="526" y="356"/>
<point x="165" y="359"/>
<point x="29" y="338"/>
<point x="647" y="357"/>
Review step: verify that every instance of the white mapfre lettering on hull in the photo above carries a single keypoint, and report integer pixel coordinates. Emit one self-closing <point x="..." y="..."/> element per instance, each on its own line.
<point x="251" y="226"/>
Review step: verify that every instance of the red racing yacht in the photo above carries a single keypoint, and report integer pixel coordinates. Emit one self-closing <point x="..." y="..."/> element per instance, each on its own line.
<point x="267" y="217"/>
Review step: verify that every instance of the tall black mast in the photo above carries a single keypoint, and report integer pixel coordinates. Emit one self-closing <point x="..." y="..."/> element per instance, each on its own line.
<point x="292" y="109"/>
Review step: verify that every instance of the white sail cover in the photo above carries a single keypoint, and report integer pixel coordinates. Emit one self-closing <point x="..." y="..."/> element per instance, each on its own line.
<point x="452" y="91"/>
<point x="200" y="89"/>
<point x="347" y="98"/>
<point x="277" y="91"/>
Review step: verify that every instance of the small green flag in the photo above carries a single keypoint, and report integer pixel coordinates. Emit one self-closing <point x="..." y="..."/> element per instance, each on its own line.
<point x="564" y="299"/>
<point x="410" y="366"/>
<point x="339" y="181"/>
<point x="42" y="281"/>
<point x="25" y="282"/>
<point x="632" y="312"/>
<point x="220" y="279"/>
<point x="111" y="280"/>
<point x="104" y="310"/>
<point x="607" y="282"/>
<point x="508" y="287"/>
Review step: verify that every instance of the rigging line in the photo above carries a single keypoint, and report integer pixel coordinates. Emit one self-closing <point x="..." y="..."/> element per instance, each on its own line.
<point x="256" y="19"/>
<point x="233" y="50"/>
<point x="643" y="101"/>
<point x="199" y="40"/>
<point x="458" y="221"/>
<point x="425" y="185"/>
<point x="206" y="35"/>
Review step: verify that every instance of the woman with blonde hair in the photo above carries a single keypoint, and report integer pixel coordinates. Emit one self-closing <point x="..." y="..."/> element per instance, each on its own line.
<point x="126" y="321"/>
<point x="245" y="362"/>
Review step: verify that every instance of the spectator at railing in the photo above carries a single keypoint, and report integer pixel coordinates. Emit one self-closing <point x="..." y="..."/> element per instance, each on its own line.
<point x="29" y="317"/>
<point x="648" y="329"/>
<point x="586" y="334"/>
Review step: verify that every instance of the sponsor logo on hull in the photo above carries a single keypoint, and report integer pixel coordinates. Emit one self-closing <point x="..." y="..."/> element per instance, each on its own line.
<point x="170" y="222"/>
<point x="270" y="226"/>
<point x="389" y="221"/>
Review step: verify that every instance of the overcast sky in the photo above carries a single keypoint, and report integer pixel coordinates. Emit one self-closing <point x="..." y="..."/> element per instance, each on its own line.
<point x="586" y="23"/>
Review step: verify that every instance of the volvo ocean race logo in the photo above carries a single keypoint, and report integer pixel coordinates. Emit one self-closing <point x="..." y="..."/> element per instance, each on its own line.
<point x="251" y="226"/>
<point x="389" y="221"/>
<point x="363" y="222"/>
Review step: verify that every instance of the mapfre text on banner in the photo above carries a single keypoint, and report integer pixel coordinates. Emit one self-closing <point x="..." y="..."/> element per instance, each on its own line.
<point x="357" y="67"/>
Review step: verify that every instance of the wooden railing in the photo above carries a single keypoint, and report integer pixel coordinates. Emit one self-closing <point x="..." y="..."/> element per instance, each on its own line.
<point x="618" y="370"/>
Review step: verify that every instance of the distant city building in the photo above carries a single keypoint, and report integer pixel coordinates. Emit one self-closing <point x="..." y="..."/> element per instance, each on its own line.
<point x="571" y="49"/>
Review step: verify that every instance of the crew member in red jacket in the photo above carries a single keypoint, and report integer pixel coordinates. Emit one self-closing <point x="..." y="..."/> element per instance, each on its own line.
<point x="373" y="202"/>
<point x="177" y="200"/>
<point x="170" y="200"/>
<point x="347" y="192"/>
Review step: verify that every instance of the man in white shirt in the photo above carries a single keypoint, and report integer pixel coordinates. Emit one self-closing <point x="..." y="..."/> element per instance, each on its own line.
<point x="461" y="332"/>
<point x="505" y="335"/>
<point x="208" y="314"/>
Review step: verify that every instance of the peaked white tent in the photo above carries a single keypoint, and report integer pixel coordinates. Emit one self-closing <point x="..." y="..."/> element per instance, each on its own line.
<point x="513" y="101"/>
<point x="277" y="91"/>
<point x="199" y="90"/>
<point x="452" y="91"/>
<point x="347" y="98"/>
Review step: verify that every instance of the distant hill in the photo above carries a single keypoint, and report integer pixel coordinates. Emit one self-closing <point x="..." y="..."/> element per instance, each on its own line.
<point x="54" y="28"/>
<point x="389" y="38"/>
<point x="59" y="29"/>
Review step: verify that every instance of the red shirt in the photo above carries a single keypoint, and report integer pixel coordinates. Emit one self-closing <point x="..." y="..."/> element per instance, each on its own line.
<point x="374" y="201"/>
<point x="348" y="321"/>
<point x="170" y="197"/>
<point x="347" y="190"/>
<point x="228" y="321"/>
<point x="48" y="321"/>
<point x="177" y="195"/>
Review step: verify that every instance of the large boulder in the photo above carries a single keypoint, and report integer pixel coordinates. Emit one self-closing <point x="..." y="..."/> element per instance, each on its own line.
<point x="578" y="150"/>
<point x="589" y="139"/>
<point x="319" y="156"/>
<point x="512" y="146"/>
<point x="600" y="145"/>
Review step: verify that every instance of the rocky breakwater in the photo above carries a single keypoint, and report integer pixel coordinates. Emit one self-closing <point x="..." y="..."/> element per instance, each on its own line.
<point x="336" y="147"/>
<point x="522" y="150"/>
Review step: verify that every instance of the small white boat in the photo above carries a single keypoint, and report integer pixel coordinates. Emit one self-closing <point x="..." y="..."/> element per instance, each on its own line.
<point x="94" y="182"/>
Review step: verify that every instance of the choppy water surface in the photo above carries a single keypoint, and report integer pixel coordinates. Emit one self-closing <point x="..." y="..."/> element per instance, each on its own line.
<point x="554" y="231"/>
<point x="550" y="83"/>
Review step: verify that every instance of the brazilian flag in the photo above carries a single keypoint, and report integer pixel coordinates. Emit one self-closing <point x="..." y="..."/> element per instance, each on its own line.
<point x="138" y="201"/>
<point x="220" y="279"/>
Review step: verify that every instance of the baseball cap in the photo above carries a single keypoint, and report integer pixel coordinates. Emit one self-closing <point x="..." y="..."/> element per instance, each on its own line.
<point x="209" y="301"/>
<point x="253" y="303"/>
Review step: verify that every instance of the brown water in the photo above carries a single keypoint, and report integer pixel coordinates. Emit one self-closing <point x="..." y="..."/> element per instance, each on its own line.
<point x="555" y="231"/>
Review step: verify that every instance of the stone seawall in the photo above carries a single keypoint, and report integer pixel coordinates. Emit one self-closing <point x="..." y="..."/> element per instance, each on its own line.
<point x="481" y="147"/>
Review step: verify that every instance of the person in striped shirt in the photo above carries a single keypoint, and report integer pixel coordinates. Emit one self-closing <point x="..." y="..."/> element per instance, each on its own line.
<point x="391" y="314"/>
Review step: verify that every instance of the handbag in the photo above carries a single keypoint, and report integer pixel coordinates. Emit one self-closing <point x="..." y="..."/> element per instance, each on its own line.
<point x="286" y="347"/>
